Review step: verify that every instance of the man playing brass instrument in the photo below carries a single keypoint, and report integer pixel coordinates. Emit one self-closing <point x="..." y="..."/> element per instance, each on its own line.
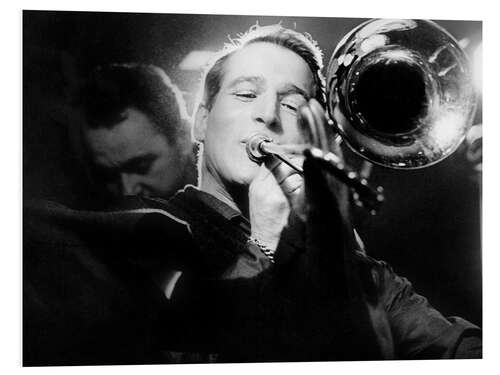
<point x="271" y="83"/>
<point x="260" y="264"/>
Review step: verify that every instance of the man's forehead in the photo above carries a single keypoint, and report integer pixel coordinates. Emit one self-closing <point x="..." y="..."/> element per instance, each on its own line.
<point x="124" y="141"/>
<point x="263" y="61"/>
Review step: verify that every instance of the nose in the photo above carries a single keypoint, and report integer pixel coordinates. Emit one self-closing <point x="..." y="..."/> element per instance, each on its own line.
<point x="266" y="112"/>
<point x="130" y="184"/>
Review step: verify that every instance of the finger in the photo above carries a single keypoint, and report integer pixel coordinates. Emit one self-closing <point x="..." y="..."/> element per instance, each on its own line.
<point x="292" y="185"/>
<point x="288" y="179"/>
<point x="273" y="172"/>
<point x="271" y="162"/>
<point x="263" y="174"/>
<point x="281" y="171"/>
<point x="320" y="121"/>
<point x="307" y="121"/>
<point x="314" y="117"/>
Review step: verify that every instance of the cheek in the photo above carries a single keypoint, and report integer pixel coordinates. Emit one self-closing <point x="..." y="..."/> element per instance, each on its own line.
<point x="164" y="178"/>
<point x="166" y="166"/>
<point x="222" y="131"/>
<point x="225" y="152"/>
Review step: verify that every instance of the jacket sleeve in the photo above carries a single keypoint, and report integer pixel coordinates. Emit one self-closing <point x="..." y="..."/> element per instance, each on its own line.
<point x="88" y="293"/>
<point x="419" y="331"/>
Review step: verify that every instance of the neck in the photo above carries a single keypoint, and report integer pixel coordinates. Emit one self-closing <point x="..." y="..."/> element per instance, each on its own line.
<point x="236" y="198"/>
<point x="192" y="173"/>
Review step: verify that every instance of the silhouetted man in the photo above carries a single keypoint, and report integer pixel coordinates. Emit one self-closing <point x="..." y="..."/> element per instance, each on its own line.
<point x="137" y="132"/>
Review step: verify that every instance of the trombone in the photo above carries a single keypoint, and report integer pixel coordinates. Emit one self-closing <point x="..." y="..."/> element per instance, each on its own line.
<point x="399" y="93"/>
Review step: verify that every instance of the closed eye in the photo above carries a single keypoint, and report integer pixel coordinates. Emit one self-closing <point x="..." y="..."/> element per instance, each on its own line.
<point x="245" y="95"/>
<point x="139" y="165"/>
<point x="290" y="107"/>
<point x="105" y="175"/>
<point x="292" y="102"/>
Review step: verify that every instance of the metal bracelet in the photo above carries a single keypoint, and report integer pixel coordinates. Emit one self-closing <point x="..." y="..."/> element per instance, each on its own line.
<point x="265" y="250"/>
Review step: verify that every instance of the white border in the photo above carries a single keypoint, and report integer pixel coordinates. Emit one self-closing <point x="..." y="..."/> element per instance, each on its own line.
<point x="11" y="143"/>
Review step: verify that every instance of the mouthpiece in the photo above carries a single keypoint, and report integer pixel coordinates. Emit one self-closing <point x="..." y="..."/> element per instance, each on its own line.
<point x="254" y="147"/>
<point x="260" y="146"/>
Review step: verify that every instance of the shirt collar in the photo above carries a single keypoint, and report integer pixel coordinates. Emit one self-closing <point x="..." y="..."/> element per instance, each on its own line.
<point x="217" y="205"/>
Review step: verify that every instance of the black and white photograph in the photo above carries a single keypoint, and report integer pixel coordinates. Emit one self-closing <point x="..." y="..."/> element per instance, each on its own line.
<point x="223" y="188"/>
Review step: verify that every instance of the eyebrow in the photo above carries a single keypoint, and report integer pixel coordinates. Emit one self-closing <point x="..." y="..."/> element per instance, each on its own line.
<point x="293" y="89"/>
<point x="288" y="89"/>
<point x="132" y="163"/>
<point x="252" y="79"/>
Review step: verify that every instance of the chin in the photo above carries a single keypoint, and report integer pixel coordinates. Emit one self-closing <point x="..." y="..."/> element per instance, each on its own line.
<point x="245" y="174"/>
<point x="250" y="173"/>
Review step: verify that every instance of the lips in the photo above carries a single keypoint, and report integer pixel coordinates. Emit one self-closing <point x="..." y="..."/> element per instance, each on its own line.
<point x="251" y="135"/>
<point x="245" y="139"/>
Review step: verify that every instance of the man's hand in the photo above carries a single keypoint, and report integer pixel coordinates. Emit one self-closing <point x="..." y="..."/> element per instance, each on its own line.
<point x="278" y="188"/>
<point x="270" y="195"/>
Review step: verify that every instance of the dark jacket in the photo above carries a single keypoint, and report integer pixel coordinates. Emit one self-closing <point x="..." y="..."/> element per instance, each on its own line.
<point x="91" y="294"/>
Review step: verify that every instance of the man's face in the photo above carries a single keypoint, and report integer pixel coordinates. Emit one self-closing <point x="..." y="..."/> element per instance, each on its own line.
<point x="133" y="158"/>
<point x="262" y="87"/>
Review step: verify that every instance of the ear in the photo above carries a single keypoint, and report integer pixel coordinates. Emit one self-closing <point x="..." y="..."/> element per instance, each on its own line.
<point x="200" y="123"/>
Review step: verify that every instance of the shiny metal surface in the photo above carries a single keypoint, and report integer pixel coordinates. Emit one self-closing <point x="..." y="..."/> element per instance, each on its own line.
<point x="260" y="146"/>
<point x="400" y="92"/>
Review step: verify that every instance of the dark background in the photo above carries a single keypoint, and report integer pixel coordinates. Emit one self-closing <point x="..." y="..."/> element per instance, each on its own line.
<point x="429" y="228"/>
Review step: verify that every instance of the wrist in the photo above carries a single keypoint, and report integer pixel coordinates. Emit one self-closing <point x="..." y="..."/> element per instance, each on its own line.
<point x="263" y="248"/>
<point x="269" y="240"/>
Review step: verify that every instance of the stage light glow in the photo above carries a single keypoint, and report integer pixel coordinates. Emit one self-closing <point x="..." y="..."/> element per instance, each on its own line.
<point x="464" y="43"/>
<point x="196" y="60"/>
<point x="477" y="68"/>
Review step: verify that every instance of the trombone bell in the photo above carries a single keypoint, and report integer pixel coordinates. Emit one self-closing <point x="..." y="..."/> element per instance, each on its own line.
<point x="400" y="92"/>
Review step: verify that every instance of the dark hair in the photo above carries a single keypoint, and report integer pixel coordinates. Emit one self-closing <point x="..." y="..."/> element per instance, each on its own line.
<point x="302" y="44"/>
<point x="110" y="89"/>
